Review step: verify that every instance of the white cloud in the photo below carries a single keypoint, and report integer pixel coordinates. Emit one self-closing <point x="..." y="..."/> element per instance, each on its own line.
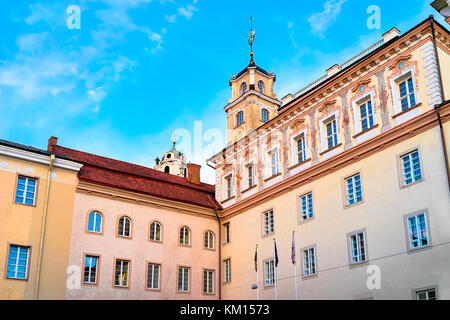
<point x="321" y="21"/>
<point x="38" y="13"/>
<point x="187" y="12"/>
<point x="171" y="19"/>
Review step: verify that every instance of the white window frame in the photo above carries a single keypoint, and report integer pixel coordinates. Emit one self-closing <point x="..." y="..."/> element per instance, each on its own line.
<point x="226" y="194"/>
<point x="208" y="281"/>
<point x="346" y="191"/>
<point x="128" y="262"/>
<point x="395" y="85"/>
<point x="94" y="222"/>
<point x="16" y="261"/>
<point x="226" y="227"/>
<point x="207" y="243"/>
<point x="309" y="209"/>
<point x="408" y="230"/>
<point x="270" y="165"/>
<point x="97" y="258"/>
<point x="402" y="168"/>
<point x="294" y="147"/>
<point x="357" y="111"/>
<point x="185" y="281"/>
<point x="247" y="177"/>
<point x="268" y="222"/>
<point x="155" y="223"/>
<point x="124" y="227"/>
<point x="309" y="261"/>
<point x="426" y="290"/>
<point x="24" y="195"/>
<point x="323" y="130"/>
<point x="183" y="240"/>
<point x="359" y="258"/>
<point x="152" y="266"/>
<point x="227" y="270"/>
<point x="269" y="272"/>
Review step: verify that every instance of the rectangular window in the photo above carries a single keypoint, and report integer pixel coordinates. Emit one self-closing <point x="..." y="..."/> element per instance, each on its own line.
<point x="268" y="222"/>
<point x="353" y="189"/>
<point x="153" y="276"/>
<point x="90" y="269"/>
<point x="121" y="273"/>
<point x="301" y="149"/>
<point x="306" y="206"/>
<point x="250" y="175"/>
<point x="331" y="133"/>
<point x="208" y="281"/>
<point x="229" y="186"/>
<point x="26" y="190"/>
<point x="407" y="97"/>
<point x="411" y="171"/>
<point x="366" y="115"/>
<point x="227" y="270"/>
<point x="274" y="169"/>
<point x="309" y="261"/>
<point x="428" y="294"/>
<point x="17" y="262"/>
<point x="269" y="273"/>
<point x="357" y="242"/>
<point x="227" y="232"/>
<point x="183" y="279"/>
<point x="418" y="231"/>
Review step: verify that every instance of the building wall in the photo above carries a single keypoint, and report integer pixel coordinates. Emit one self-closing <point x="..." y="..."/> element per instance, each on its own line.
<point x="21" y="224"/>
<point x="381" y="214"/>
<point x="139" y="249"/>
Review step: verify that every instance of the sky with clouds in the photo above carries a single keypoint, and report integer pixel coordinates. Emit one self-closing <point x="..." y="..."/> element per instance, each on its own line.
<point x="138" y="69"/>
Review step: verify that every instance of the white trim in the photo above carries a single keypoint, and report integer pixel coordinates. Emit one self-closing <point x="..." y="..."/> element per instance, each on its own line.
<point x="323" y="136"/>
<point x="224" y="187"/>
<point x="294" y="151"/>
<point x="269" y="161"/>
<point x="357" y="112"/>
<point x="395" y="88"/>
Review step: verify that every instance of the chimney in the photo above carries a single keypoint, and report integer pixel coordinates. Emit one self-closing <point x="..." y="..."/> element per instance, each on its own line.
<point x="391" y="34"/>
<point x="333" y="70"/>
<point x="287" y="98"/>
<point x="193" y="175"/>
<point x="52" y="142"/>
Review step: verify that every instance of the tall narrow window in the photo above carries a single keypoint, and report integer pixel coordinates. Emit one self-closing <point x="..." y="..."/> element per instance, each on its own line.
<point x="268" y="222"/>
<point x="306" y="206"/>
<point x="418" y="231"/>
<point x="273" y="158"/>
<point x="153" y="276"/>
<point x="243" y="88"/>
<point x="250" y="175"/>
<point x="226" y="226"/>
<point x="183" y="279"/>
<point x="300" y="148"/>
<point x="121" y="273"/>
<point x="185" y="236"/>
<point x="90" y="269"/>
<point x="95" y="222"/>
<point x="124" y="229"/>
<point x="239" y="118"/>
<point x="155" y="231"/>
<point x="264" y="115"/>
<point x="331" y="133"/>
<point x="227" y="270"/>
<point x="228" y="186"/>
<point x="208" y="281"/>
<point x="411" y="171"/>
<point x="269" y="273"/>
<point x="261" y="86"/>
<point x="407" y="96"/>
<point x="209" y="240"/>
<point x="357" y="242"/>
<point x="353" y="189"/>
<point x="428" y="294"/>
<point x="18" y="259"/>
<point x="367" y="120"/>
<point x="26" y="190"/>
<point x="309" y="261"/>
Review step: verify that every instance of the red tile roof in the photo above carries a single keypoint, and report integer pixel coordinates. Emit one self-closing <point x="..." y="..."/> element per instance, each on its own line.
<point x="128" y="176"/>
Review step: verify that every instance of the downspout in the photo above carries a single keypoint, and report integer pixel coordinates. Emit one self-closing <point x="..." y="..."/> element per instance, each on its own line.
<point x="220" y="255"/>
<point x="43" y="224"/>
<point x="436" y="107"/>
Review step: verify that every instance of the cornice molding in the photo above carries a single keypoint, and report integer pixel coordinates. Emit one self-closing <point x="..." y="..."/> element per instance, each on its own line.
<point x="249" y="93"/>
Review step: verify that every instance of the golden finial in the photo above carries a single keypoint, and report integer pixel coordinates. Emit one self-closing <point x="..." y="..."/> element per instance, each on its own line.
<point x="251" y="38"/>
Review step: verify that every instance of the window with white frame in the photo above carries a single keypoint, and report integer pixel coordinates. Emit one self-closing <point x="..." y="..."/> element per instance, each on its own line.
<point x="121" y="273"/>
<point x="90" y="269"/>
<point x="26" y="190"/>
<point x="411" y="171"/>
<point x="428" y="294"/>
<point x="153" y="276"/>
<point x="300" y="148"/>
<point x="239" y="118"/>
<point x="357" y="247"/>
<point x="185" y="236"/>
<point x="273" y="162"/>
<point x="353" y="190"/>
<point x="309" y="261"/>
<point x="208" y="281"/>
<point x="228" y="186"/>
<point x="18" y="260"/>
<point x="366" y="115"/>
<point x="406" y="93"/>
<point x="226" y="226"/>
<point x="183" y="279"/>
<point x="331" y="133"/>
<point x="418" y="236"/>
<point x="269" y="272"/>
<point x="209" y="240"/>
<point x="227" y="270"/>
<point x="268" y="222"/>
<point x="306" y="207"/>
<point x="94" y="222"/>
<point x="155" y="231"/>
<point x="124" y="229"/>
<point x="250" y="170"/>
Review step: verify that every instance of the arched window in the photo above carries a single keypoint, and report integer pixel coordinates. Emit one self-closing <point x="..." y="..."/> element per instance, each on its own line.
<point x="209" y="240"/>
<point x="239" y="118"/>
<point x="167" y="169"/>
<point x="243" y="88"/>
<point x="264" y="115"/>
<point x="155" y="231"/>
<point x="261" y="86"/>
<point x="185" y="236"/>
<point x="124" y="229"/>
<point x="95" y="222"/>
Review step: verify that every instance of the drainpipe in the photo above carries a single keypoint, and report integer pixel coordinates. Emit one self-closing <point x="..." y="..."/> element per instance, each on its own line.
<point x="43" y="224"/>
<point x="220" y="254"/>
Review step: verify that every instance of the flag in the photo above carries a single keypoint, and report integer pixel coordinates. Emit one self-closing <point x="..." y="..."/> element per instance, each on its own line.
<point x="276" y="254"/>
<point x="293" y="248"/>
<point x="256" y="258"/>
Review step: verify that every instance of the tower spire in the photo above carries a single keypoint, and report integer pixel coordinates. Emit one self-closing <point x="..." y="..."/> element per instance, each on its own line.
<point x="251" y="38"/>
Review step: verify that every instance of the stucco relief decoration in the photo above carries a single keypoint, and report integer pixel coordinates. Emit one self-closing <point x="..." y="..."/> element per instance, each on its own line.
<point x="327" y="106"/>
<point x="361" y="86"/>
<point x="401" y="62"/>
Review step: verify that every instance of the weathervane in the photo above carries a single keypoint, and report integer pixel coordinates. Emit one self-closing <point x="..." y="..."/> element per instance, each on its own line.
<point x="251" y="38"/>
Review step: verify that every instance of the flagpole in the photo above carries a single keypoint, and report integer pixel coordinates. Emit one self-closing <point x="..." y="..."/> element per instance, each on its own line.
<point x="275" y="266"/>
<point x="295" y="264"/>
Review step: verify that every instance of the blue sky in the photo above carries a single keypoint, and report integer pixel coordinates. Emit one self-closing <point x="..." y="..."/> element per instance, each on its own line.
<point x="138" y="69"/>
